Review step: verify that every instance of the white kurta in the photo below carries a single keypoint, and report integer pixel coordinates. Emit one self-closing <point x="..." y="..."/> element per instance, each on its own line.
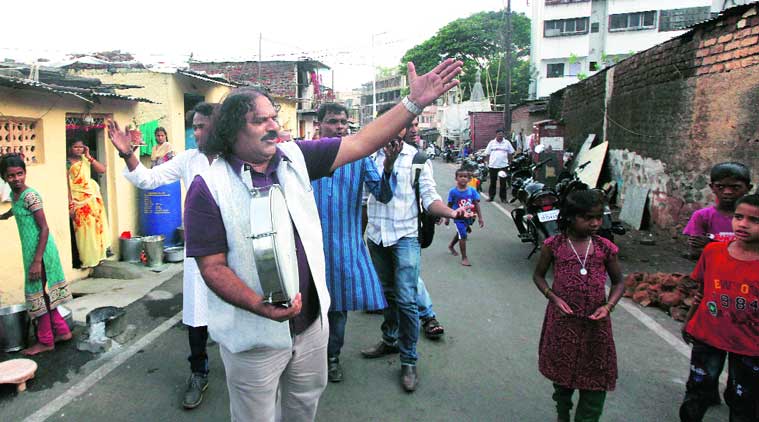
<point x="184" y="166"/>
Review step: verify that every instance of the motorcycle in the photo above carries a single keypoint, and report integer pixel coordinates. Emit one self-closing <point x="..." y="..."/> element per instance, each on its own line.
<point x="450" y="153"/>
<point x="570" y="182"/>
<point x="536" y="218"/>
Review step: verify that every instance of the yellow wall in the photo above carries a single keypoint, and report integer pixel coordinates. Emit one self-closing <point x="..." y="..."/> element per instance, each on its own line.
<point x="49" y="178"/>
<point x="288" y="116"/>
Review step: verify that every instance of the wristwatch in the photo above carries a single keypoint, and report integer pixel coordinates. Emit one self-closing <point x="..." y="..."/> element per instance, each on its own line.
<point x="411" y="106"/>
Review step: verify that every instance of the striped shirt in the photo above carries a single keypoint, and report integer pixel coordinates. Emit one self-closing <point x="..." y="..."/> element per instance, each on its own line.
<point x="351" y="279"/>
<point x="398" y="218"/>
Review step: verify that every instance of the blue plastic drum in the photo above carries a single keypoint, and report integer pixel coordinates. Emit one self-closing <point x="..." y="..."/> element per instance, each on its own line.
<point x="161" y="212"/>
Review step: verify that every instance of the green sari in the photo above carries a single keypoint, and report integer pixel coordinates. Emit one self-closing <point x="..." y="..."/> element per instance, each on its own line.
<point x="56" y="286"/>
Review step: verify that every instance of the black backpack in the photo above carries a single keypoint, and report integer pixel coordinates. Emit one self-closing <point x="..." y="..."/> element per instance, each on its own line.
<point x="426" y="221"/>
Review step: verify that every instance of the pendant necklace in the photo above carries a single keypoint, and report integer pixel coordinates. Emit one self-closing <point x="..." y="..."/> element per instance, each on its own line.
<point x="583" y="271"/>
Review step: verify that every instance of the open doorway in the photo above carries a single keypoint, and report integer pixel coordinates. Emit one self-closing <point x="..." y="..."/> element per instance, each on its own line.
<point x="90" y="131"/>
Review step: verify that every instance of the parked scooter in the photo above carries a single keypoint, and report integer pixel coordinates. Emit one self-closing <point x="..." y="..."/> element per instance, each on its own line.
<point x="536" y="218"/>
<point x="450" y="153"/>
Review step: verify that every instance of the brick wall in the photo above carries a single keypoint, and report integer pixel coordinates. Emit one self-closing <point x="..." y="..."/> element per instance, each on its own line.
<point x="280" y="77"/>
<point x="482" y="127"/>
<point x="675" y="110"/>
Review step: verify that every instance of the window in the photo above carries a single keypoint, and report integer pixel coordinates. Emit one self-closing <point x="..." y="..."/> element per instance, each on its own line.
<point x="679" y="19"/>
<point x="594" y="27"/>
<point x="561" y="27"/>
<point x="555" y="70"/>
<point x="22" y="136"/>
<point x="632" y="21"/>
<point x="575" y="69"/>
<point x="593" y="66"/>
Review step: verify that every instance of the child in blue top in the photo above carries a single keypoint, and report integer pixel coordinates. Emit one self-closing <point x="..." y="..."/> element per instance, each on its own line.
<point x="459" y="196"/>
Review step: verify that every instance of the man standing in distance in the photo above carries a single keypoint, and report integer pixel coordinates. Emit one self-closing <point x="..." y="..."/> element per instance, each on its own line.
<point x="185" y="166"/>
<point x="265" y="348"/>
<point x="500" y="151"/>
<point x="351" y="279"/>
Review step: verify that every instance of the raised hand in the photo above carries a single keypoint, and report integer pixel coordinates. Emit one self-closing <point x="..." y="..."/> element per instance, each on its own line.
<point x="392" y="149"/>
<point x="427" y="88"/>
<point x="121" y="140"/>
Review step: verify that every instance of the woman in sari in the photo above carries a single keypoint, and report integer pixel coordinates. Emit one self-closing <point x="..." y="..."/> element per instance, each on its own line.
<point x="86" y="206"/>
<point x="163" y="151"/>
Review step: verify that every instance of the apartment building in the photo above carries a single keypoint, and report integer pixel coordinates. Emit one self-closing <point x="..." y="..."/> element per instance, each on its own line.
<point x="388" y="91"/>
<point x="572" y="39"/>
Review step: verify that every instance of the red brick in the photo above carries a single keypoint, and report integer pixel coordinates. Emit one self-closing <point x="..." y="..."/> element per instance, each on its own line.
<point x="755" y="30"/>
<point x="710" y="60"/>
<point x="753" y="50"/>
<point x="717" y="68"/>
<point x="743" y="33"/>
<point x="749" y="61"/>
<point x="710" y="42"/>
<point x="735" y="64"/>
<point x="717" y="49"/>
<point x="725" y="38"/>
<point x="726" y="56"/>
<point x="702" y="52"/>
<point x="749" y="41"/>
<point x="732" y="46"/>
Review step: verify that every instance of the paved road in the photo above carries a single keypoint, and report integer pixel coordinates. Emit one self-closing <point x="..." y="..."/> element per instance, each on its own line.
<point x="485" y="368"/>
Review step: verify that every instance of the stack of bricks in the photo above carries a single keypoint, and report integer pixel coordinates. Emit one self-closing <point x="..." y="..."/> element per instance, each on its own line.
<point x="731" y="46"/>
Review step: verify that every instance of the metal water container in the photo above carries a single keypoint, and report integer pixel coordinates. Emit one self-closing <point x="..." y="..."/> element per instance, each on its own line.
<point x="14" y="328"/>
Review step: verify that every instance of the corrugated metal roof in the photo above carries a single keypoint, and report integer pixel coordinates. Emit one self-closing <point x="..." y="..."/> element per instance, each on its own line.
<point x="87" y="95"/>
<point x="207" y="78"/>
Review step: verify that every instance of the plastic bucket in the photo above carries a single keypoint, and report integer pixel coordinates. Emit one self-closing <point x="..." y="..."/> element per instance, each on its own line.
<point x="161" y="212"/>
<point x="153" y="246"/>
<point x="14" y="328"/>
<point x="130" y="249"/>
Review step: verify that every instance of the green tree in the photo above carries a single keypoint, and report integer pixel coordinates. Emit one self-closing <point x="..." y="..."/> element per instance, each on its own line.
<point x="478" y="41"/>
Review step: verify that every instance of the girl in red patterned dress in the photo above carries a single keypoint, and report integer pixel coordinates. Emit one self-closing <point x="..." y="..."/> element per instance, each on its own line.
<point x="576" y="344"/>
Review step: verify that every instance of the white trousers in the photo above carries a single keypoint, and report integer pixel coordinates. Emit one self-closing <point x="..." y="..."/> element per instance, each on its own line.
<point x="300" y="374"/>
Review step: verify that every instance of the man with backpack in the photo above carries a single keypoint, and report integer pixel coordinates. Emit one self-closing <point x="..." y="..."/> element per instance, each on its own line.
<point x="395" y="248"/>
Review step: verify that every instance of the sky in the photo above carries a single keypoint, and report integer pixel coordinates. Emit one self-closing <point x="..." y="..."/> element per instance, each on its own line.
<point x="336" y="32"/>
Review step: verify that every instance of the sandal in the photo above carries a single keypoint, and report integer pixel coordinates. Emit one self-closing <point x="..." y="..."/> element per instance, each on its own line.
<point x="432" y="328"/>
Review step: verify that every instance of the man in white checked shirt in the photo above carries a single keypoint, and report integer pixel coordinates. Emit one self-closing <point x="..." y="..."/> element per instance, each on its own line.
<point x="395" y="251"/>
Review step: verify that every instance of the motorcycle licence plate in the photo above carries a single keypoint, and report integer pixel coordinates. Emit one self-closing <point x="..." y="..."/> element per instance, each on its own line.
<point x="548" y="215"/>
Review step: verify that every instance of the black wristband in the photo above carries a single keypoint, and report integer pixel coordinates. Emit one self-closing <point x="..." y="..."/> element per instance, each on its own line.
<point x="127" y="155"/>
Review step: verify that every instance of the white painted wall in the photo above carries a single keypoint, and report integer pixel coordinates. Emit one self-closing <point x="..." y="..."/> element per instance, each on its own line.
<point x="627" y="6"/>
<point x="562" y="47"/>
<point x="565" y="11"/>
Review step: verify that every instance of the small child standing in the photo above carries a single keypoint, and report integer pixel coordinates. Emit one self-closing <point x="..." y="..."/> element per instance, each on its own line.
<point x="45" y="286"/>
<point x="463" y="195"/>
<point x="576" y="343"/>
<point x="729" y="181"/>
<point x="727" y="321"/>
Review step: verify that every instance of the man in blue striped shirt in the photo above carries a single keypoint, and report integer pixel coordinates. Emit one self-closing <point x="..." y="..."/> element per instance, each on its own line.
<point x="351" y="279"/>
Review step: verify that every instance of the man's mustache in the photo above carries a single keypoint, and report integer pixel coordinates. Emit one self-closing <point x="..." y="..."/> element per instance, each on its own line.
<point x="270" y="136"/>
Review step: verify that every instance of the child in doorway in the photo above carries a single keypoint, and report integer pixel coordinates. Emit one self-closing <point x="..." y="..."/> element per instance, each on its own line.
<point x="727" y="321"/>
<point x="45" y="286"/>
<point x="577" y="349"/>
<point x="729" y="181"/>
<point x="463" y="195"/>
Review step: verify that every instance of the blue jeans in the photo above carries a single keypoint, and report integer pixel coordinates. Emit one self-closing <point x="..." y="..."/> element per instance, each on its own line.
<point x="424" y="301"/>
<point x="337" y="321"/>
<point x="398" y="269"/>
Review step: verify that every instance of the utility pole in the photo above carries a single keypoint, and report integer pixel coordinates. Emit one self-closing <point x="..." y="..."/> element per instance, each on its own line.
<point x="507" y="100"/>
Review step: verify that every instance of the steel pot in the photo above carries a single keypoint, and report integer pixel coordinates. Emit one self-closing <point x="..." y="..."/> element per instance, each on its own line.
<point x="174" y="254"/>
<point x="14" y="328"/>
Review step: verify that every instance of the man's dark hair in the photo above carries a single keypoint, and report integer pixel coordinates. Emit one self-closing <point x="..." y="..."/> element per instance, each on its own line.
<point x="752" y="200"/>
<point x="330" y="108"/>
<point x="204" y="108"/>
<point x="500" y="129"/>
<point x="229" y="119"/>
<point x="11" y="160"/>
<point x="732" y="169"/>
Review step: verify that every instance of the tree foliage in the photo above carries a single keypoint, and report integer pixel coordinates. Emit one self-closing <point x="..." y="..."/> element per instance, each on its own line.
<point x="479" y="41"/>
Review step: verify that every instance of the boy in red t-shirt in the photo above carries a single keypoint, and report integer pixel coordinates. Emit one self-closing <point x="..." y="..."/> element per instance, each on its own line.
<point x="727" y="320"/>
